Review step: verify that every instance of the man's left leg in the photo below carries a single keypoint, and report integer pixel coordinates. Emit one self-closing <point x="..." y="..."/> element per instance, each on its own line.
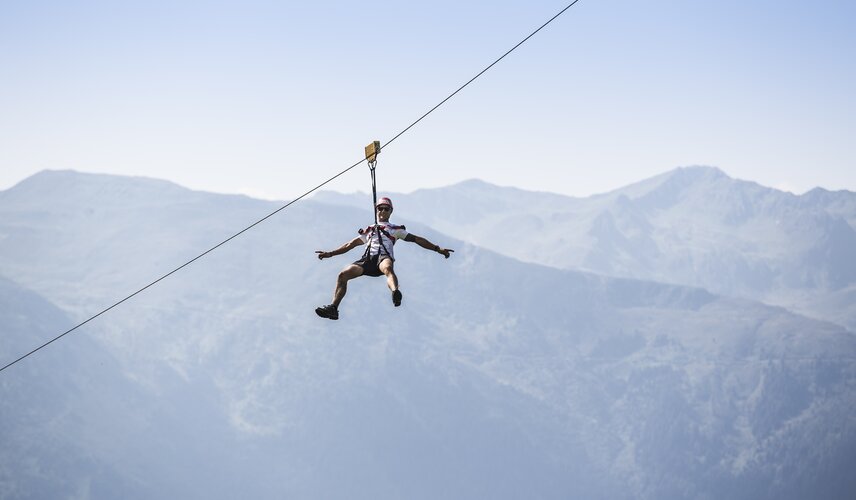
<point x="391" y="280"/>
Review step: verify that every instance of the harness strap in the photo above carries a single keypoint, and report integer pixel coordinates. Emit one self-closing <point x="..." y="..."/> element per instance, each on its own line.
<point x="376" y="231"/>
<point x="380" y="240"/>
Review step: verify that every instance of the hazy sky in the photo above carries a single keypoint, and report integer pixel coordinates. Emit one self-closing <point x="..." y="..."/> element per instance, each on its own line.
<point x="270" y="98"/>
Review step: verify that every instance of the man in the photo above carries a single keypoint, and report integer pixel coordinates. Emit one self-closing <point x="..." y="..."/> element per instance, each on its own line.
<point x="377" y="259"/>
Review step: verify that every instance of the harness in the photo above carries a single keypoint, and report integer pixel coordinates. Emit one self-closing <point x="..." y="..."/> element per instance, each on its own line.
<point x="376" y="231"/>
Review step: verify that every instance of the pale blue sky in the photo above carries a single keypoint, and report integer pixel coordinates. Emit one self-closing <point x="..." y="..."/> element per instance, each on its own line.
<point x="270" y="98"/>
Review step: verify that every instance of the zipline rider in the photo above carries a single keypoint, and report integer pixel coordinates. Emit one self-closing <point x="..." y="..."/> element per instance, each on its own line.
<point x="377" y="259"/>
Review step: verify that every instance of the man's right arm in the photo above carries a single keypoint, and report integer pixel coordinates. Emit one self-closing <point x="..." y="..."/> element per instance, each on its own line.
<point x="342" y="249"/>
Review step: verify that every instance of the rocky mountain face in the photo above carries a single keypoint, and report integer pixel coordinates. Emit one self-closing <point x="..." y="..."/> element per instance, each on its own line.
<point x="497" y="378"/>
<point x="692" y="226"/>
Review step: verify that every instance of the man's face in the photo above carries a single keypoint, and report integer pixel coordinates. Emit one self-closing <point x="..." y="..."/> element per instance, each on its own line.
<point x="383" y="212"/>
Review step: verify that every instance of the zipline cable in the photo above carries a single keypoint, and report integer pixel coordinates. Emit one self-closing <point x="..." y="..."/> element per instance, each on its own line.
<point x="480" y="73"/>
<point x="280" y="209"/>
<point x="179" y="268"/>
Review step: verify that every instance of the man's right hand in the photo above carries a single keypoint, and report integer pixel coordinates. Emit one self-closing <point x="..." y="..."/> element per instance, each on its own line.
<point x="323" y="255"/>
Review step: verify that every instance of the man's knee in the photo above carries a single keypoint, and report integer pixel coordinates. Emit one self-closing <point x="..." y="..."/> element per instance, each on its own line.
<point x="343" y="277"/>
<point x="347" y="274"/>
<point x="386" y="268"/>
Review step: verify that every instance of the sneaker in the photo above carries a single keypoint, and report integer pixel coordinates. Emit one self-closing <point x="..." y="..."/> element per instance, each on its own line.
<point x="396" y="298"/>
<point x="328" y="311"/>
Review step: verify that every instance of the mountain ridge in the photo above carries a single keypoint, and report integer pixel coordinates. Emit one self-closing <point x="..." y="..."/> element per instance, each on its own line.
<point x="494" y="375"/>
<point x="693" y="226"/>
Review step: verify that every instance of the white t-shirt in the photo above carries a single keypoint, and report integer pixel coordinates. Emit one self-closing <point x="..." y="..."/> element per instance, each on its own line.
<point x="397" y="233"/>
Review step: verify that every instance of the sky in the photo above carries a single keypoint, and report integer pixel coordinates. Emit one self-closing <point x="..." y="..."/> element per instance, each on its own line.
<point x="270" y="98"/>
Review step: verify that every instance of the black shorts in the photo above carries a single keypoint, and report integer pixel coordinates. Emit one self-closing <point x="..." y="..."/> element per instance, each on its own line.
<point x="370" y="265"/>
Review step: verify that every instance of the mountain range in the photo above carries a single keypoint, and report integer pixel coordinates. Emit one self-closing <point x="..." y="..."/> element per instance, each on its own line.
<point x="527" y="365"/>
<point x="691" y="226"/>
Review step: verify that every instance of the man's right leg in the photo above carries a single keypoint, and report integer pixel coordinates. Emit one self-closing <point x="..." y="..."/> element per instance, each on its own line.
<point x="347" y="274"/>
<point x="332" y="311"/>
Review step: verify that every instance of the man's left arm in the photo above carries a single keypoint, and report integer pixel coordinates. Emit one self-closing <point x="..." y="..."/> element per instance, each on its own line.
<point x="422" y="242"/>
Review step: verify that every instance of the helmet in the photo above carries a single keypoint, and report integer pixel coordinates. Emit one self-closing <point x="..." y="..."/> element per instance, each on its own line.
<point x="384" y="201"/>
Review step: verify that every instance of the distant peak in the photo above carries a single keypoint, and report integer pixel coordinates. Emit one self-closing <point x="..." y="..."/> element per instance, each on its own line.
<point x="823" y="195"/>
<point x="699" y="172"/>
<point x="50" y="174"/>
<point x="674" y="181"/>
<point x="686" y="177"/>
<point x="73" y="185"/>
<point x="478" y="185"/>
<point x="53" y="176"/>
<point x="474" y="184"/>
<point x="45" y="178"/>
<point x="469" y="185"/>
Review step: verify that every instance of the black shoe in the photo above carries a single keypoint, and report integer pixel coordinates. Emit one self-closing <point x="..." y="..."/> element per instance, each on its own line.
<point x="396" y="298"/>
<point x="329" y="312"/>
